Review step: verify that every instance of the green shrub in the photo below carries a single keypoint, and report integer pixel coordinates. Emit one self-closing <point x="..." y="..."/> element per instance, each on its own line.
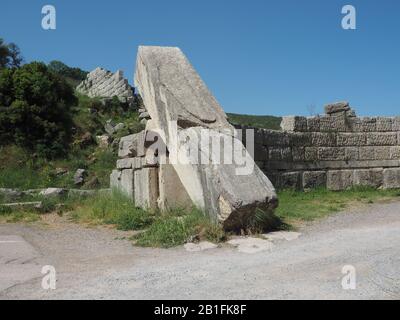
<point x="35" y="109"/>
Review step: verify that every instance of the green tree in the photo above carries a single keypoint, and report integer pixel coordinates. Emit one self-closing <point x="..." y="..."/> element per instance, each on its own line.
<point x="63" y="70"/>
<point x="3" y="54"/>
<point x="10" y="55"/>
<point x="35" y="109"/>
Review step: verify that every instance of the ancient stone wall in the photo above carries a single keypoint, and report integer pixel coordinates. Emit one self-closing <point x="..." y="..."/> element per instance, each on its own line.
<point x="105" y="84"/>
<point x="337" y="150"/>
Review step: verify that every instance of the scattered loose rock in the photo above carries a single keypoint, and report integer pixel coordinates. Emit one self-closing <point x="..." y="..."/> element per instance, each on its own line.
<point x="282" y="235"/>
<point x="201" y="246"/>
<point x="251" y="245"/>
<point x="79" y="176"/>
<point x="53" y="192"/>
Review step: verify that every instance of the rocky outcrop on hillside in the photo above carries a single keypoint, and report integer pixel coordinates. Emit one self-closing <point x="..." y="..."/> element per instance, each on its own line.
<point x="105" y="84"/>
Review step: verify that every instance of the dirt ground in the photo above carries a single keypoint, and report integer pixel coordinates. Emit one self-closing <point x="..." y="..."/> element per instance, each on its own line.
<point x="101" y="263"/>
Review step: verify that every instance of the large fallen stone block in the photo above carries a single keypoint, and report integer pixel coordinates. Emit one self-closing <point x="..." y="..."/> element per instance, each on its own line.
<point x="179" y="103"/>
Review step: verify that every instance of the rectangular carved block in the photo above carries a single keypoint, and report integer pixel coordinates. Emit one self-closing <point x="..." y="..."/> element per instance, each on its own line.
<point x="314" y="179"/>
<point x="367" y="153"/>
<point x="333" y="124"/>
<point x="275" y="138"/>
<point x="384" y="124"/>
<point x="351" y="153"/>
<point x="300" y="139"/>
<point x="146" y="188"/>
<point x="382" y="139"/>
<point x="351" y="139"/>
<point x="331" y="153"/>
<point x="382" y="153"/>
<point x="368" y="124"/>
<point x="391" y="178"/>
<point x="127" y="183"/>
<point x="369" y="177"/>
<point x="323" y="139"/>
<point x="298" y="153"/>
<point x="275" y="153"/>
<point x="396" y="124"/>
<point x="311" y="153"/>
<point x="294" y="123"/>
<point x="289" y="180"/>
<point x="260" y="153"/>
<point x="395" y="153"/>
<point x="340" y="179"/>
<point x="313" y="124"/>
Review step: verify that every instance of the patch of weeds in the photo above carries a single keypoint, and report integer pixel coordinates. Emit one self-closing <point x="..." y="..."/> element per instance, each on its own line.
<point x="318" y="203"/>
<point x="112" y="208"/>
<point x="177" y="227"/>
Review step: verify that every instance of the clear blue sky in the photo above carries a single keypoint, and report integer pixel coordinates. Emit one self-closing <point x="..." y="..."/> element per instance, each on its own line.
<point x="257" y="57"/>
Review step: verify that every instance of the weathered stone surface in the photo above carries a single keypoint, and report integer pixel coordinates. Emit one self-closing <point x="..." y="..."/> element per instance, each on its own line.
<point x="337" y="107"/>
<point x="79" y="176"/>
<point x="351" y="153"/>
<point x="368" y="177"/>
<point x="314" y="179"/>
<point x="333" y="124"/>
<point x="251" y="245"/>
<point x="172" y="91"/>
<point x="24" y="205"/>
<point x="311" y="153"/>
<point x="351" y="139"/>
<point x="127" y="183"/>
<point x="53" y="192"/>
<point x="382" y="139"/>
<point x="323" y="139"/>
<point x="132" y="145"/>
<point x="115" y="179"/>
<point x="340" y="179"/>
<point x="395" y="153"/>
<point x="103" y="141"/>
<point x="274" y="138"/>
<point x="391" y="178"/>
<point x="298" y="153"/>
<point x="282" y="235"/>
<point x="331" y="153"/>
<point x="104" y="84"/>
<point x="300" y="139"/>
<point x="146" y="188"/>
<point x="384" y="124"/>
<point x="289" y="180"/>
<point x="294" y="123"/>
<point x="10" y="194"/>
<point x="200" y="246"/>
<point x="313" y="124"/>
<point x="172" y="192"/>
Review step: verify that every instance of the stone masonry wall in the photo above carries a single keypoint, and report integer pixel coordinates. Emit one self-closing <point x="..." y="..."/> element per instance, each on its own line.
<point x="337" y="150"/>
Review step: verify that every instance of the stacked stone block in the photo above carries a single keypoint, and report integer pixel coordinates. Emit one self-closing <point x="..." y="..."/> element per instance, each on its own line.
<point x="140" y="176"/>
<point x="104" y="84"/>
<point x="337" y="150"/>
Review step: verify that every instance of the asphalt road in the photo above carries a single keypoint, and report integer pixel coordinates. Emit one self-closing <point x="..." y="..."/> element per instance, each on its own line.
<point x="98" y="263"/>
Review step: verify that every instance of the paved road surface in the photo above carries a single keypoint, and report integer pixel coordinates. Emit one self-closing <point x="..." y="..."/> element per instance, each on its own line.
<point x="99" y="264"/>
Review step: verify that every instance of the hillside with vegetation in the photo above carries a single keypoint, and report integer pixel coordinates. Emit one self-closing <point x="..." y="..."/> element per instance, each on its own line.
<point x="265" y="122"/>
<point x="48" y="131"/>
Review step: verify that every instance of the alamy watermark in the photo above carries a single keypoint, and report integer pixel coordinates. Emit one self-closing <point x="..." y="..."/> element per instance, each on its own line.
<point x="201" y="146"/>
<point x="49" y="19"/>
<point x="349" y="21"/>
<point x="49" y="281"/>
<point x="349" y="281"/>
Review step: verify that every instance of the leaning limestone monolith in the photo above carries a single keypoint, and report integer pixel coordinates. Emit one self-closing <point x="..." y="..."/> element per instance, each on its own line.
<point x="182" y="109"/>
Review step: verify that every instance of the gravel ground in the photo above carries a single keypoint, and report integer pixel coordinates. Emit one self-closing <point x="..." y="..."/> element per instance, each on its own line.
<point x="99" y="263"/>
